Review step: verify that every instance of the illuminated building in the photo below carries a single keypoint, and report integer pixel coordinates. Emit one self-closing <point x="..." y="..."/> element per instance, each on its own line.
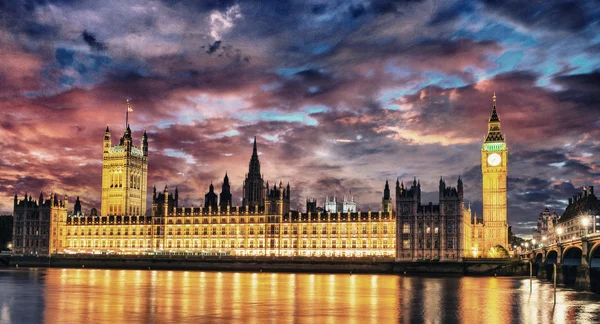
<point x="331" y="205"/>
<point x="265" y="223"/>
<point x="429" y="232"/>
<point x="124" y="174"/>
<point x="492" y="230"/>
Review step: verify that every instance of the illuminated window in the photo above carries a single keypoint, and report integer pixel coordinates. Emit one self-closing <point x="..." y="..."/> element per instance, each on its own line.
<point x="323" y="244"/>
<point x="405" y="228"/>
<point x="333" y="244"/>
<point x="406" y="244"/>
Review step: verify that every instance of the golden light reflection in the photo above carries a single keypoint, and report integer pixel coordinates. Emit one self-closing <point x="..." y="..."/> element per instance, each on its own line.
<point x="123" y="296"/>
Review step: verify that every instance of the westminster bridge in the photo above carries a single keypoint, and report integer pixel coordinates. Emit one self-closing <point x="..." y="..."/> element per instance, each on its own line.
<point x="577" y="262"/>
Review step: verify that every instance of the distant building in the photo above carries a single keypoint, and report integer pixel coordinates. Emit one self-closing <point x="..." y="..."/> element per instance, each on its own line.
<point x="331" y="204"/>
<point x="584" y="204"/>
<point x="544" y="233"/>
<point x="37" y="225"/>
<point x="348" y="205"/>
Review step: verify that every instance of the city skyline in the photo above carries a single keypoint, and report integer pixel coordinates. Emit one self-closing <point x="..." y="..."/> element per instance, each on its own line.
<point x="388" y="91"/>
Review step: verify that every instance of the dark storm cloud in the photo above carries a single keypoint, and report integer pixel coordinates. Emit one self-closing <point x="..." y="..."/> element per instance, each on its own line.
<point x="92" y="42"/>
<point x="451" y="13"/>
<point x="581" y="88"/>
<point x="567" y="15"/>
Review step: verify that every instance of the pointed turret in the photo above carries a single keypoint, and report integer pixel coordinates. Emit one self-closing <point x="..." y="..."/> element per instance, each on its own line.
<point x="77" y="207"/>
<point x="145" y="143"/>
<point x="386" y="191"/>
<point x="41" y="199"/>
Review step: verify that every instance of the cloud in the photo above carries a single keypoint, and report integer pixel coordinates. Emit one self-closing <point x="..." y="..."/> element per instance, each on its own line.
<point x="342" y="96"/>
<point x="92" y="42"/>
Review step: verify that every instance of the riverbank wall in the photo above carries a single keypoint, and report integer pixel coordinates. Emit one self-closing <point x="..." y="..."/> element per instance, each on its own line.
<point x="267" y="264"/>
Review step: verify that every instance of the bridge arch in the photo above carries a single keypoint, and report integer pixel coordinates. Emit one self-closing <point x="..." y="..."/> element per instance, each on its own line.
<point x="571" y="260"/>
<point x="538" y="263"/>
<point x="551" y="259"/>
<point x="594" y="261"/>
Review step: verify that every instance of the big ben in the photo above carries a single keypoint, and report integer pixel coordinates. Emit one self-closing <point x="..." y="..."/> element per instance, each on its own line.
<point x="494" y="169"/>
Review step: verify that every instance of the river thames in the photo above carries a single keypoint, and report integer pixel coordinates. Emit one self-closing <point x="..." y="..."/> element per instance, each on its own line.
<point x="137" y="296"/>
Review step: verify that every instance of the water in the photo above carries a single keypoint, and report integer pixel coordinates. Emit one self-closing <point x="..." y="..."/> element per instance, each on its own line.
<point x="135" y="296"/>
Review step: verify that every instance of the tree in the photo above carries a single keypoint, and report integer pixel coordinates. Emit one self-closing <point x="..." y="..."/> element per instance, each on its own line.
<point x="497" y="251"/>
<point x="6" y="231"/>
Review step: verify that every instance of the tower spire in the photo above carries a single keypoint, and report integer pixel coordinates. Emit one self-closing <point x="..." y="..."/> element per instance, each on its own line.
<point x="254" y="150"/>
<point x="494" y="116"/>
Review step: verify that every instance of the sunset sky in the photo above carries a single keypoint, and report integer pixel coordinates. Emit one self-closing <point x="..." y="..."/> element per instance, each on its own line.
<point x="341" y="95"/>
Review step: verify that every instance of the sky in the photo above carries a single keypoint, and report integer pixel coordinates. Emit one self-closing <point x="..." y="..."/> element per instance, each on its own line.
<point x="341" y="95"/>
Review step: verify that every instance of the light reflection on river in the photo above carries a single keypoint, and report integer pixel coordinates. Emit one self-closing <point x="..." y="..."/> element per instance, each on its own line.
<point x="136" y="296"/>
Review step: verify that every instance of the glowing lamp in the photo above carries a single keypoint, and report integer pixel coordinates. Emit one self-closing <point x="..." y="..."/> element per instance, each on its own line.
<point x="559" y="230"/>
<point x="585" y="221"/>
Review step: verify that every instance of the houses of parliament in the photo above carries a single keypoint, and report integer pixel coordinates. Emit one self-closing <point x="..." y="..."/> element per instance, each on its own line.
<point x="265" y="225"/>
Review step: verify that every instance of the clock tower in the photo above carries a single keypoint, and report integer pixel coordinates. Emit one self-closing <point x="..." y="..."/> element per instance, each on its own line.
<point x="494" y="169"/>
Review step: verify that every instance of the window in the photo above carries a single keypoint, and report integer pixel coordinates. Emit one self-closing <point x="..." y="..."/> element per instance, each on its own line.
<point x="406" y="244"/>
<point x="323" y="244"/>
<point x="364" y="228"/>
<point x="333" y="244"/>
<point x="385" y="228"/>
<point x="374" y="228"/>
<point x="406" y="228"/>
<point x="324" y="229"/>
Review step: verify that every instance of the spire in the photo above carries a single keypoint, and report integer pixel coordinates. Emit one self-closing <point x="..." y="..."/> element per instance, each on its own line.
<point x="254" y="150"/>
<point x="494" y="116"/>
<point x="386" y="191"/>
<point x="494" y="133"/>
<point x="107" y="130"/>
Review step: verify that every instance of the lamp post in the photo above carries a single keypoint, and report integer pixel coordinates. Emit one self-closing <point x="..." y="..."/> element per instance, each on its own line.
<point x="533" y="244"/>
<point x="585" y="221"/>
<point x="559" y="231"/>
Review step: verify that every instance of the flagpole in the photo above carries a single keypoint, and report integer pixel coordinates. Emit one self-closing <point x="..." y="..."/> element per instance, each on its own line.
<point x="127" y="114"/>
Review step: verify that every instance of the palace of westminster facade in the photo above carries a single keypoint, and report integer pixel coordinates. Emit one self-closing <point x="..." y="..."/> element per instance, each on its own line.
<point x="265" y="225"/>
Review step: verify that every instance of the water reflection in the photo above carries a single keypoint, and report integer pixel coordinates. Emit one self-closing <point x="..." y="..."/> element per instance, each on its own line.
<point x="134" y="296"/>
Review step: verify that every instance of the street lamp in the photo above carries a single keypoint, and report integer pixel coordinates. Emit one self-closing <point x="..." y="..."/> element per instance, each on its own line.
<point x="533" y="244"/>
<point x="585" y="221"/>
<point x="526" y="246"/>
<point x="9" y="246"/>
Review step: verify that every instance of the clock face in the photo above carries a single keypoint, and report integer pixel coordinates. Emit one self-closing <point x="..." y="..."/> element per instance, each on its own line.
<point x="494" y="159"/>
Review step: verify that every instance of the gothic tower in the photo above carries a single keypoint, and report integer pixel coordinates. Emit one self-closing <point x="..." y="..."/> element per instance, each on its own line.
<point x="225" y="197"/>
<point x="494" y="169"/>
<point x="124" y="174"/>
<point x="387" y="200"/>
<point x="254" y="190"/>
